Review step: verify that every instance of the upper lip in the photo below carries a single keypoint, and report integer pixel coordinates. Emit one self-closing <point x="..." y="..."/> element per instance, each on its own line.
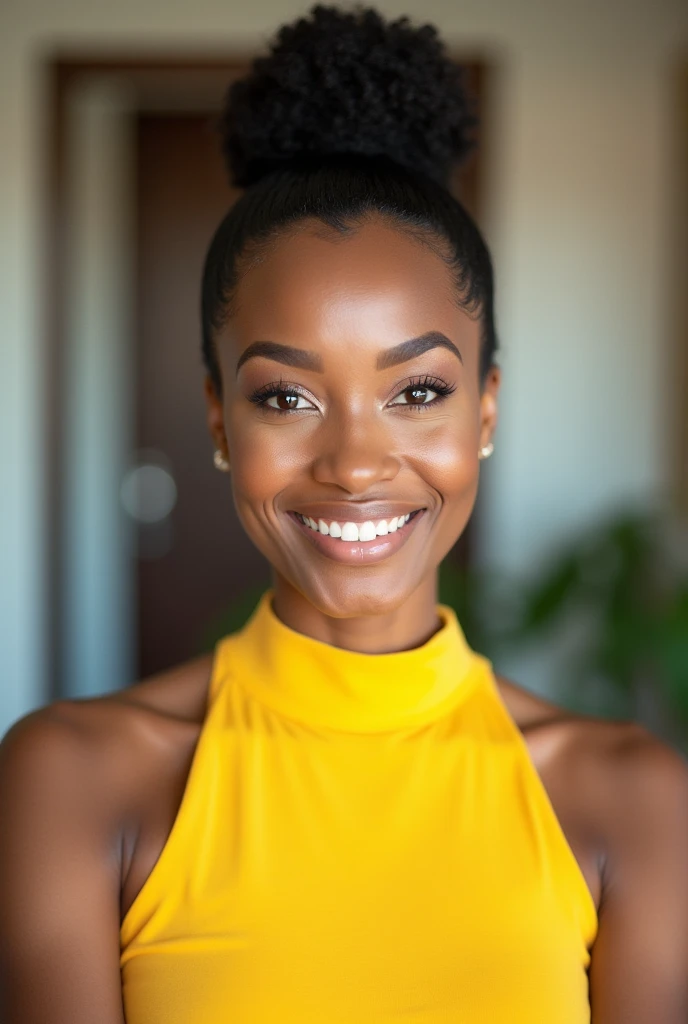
<point x="343" y="512"/>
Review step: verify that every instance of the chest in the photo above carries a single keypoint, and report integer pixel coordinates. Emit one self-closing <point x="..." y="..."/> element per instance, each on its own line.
<point x="166" y="776"/>
<point x="378" y="878"/>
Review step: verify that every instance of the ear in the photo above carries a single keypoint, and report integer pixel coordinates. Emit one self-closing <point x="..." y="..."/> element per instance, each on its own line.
<point x="215" y="417"/>
<point x="488" y="405"/>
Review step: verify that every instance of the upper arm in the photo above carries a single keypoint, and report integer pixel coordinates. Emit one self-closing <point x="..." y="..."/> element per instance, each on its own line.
<point x="639" y="966"/>
<point x="59" y="879"/>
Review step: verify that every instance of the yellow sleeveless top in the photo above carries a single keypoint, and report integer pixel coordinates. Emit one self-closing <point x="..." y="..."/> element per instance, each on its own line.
<point x="362" y="839"/>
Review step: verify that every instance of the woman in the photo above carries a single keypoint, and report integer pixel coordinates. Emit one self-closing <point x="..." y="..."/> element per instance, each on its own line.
<point x="344" y="815"/>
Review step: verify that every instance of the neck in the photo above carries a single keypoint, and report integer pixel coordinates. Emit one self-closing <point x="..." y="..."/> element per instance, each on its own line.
<point x="400" y="629"/>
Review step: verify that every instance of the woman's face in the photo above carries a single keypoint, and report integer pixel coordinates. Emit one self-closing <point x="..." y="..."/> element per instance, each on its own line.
<point x="352" y="401"/>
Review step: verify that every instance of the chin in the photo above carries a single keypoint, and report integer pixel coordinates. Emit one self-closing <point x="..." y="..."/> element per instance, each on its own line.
<point x="363" y="594"/>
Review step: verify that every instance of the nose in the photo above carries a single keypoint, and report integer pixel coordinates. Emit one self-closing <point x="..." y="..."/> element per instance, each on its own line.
<point x="355" y="455"/>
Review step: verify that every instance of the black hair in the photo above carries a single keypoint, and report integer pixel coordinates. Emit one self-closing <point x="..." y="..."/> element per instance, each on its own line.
<point x="348" y="117"/>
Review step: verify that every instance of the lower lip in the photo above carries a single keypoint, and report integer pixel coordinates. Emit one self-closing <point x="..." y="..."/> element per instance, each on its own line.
<point x="358" y="552"/>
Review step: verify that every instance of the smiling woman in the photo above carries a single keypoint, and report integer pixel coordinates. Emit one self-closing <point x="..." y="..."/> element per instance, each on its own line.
<point x="381" y="415"/>
<point x="344" y="815"/>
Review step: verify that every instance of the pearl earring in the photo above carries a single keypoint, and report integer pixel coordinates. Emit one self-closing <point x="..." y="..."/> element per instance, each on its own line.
<point x="220" y="461"/>
<point x="486" y="451"/>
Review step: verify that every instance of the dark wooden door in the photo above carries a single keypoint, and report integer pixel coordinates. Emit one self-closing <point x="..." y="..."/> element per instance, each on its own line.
<point x="195" y="562"/>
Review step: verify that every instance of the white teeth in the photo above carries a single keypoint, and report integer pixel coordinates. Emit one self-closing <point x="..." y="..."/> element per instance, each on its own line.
<point x="366" y="531"/>
<point x="350" y="532"/>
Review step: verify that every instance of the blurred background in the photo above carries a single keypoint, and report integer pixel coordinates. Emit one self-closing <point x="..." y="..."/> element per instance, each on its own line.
<point x="120" y="553"/>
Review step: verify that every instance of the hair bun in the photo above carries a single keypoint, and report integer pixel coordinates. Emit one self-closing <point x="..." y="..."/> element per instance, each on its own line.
<point x="348" y="82"/>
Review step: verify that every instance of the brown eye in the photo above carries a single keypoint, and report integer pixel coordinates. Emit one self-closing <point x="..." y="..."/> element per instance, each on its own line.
<point x="424" y="391"/>
<point x="287" y="401"/>
<point x="417" y="396"/>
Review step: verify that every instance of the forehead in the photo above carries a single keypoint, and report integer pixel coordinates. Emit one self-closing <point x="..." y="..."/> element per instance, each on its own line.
<point x="315" y="287"/>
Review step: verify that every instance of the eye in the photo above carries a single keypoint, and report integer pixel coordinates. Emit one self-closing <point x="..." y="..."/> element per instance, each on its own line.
<point x="423" y="391"/>
<point x="286" y="401"/>
<point x="414" y="396"/>
<point x="280" y="397"/>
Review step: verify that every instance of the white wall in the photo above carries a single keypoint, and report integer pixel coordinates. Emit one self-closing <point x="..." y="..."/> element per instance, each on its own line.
<point x="579" y="222"/>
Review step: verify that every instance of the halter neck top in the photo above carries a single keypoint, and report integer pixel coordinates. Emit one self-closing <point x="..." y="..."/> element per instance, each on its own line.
<point x="362" y="839"/>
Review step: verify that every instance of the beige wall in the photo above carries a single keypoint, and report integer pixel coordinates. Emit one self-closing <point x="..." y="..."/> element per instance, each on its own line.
<point x="579" y="221"/>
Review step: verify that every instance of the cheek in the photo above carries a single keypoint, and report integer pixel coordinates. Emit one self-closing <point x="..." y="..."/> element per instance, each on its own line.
<point x="448" y="461"/>
<point x="264" y="456"/>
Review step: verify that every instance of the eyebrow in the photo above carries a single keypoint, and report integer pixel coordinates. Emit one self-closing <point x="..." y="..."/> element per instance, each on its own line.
<point x="286" y="354"/>
<point x="416" y="347"/>
<point x="306" y="360"/>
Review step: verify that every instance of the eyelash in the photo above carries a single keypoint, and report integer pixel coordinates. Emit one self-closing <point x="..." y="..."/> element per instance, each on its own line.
<point x="441" y="388"/>
<point x="281" y="387"/>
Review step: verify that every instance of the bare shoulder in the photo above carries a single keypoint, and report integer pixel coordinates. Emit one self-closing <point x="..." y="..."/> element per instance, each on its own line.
<point x="179" y="692"/>
<point x="616" y="751"/>
<point x="528" y="709"/>
<point x="110" y="751"/>
<point x="614" y="773"/>
<point x="46" y="760"/>
<point x="638" y="788"/>
<point x="63" y="745"/>
<point x="101" y="728"/>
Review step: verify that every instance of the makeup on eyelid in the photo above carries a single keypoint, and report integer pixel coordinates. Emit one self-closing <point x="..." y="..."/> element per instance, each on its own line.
<point x="419" y="387"/>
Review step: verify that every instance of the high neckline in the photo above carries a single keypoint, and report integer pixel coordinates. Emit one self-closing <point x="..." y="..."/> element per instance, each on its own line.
<point x="328" y="686"/>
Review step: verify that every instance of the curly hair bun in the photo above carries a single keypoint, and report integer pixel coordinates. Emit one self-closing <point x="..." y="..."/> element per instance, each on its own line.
<point x="348" y="82"/>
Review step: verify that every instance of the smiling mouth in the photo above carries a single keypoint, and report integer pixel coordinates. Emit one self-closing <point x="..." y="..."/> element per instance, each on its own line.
<point x="350" y="532"/>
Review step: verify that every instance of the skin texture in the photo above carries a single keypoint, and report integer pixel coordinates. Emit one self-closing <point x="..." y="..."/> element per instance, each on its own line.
<point x="89" y="789"/>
